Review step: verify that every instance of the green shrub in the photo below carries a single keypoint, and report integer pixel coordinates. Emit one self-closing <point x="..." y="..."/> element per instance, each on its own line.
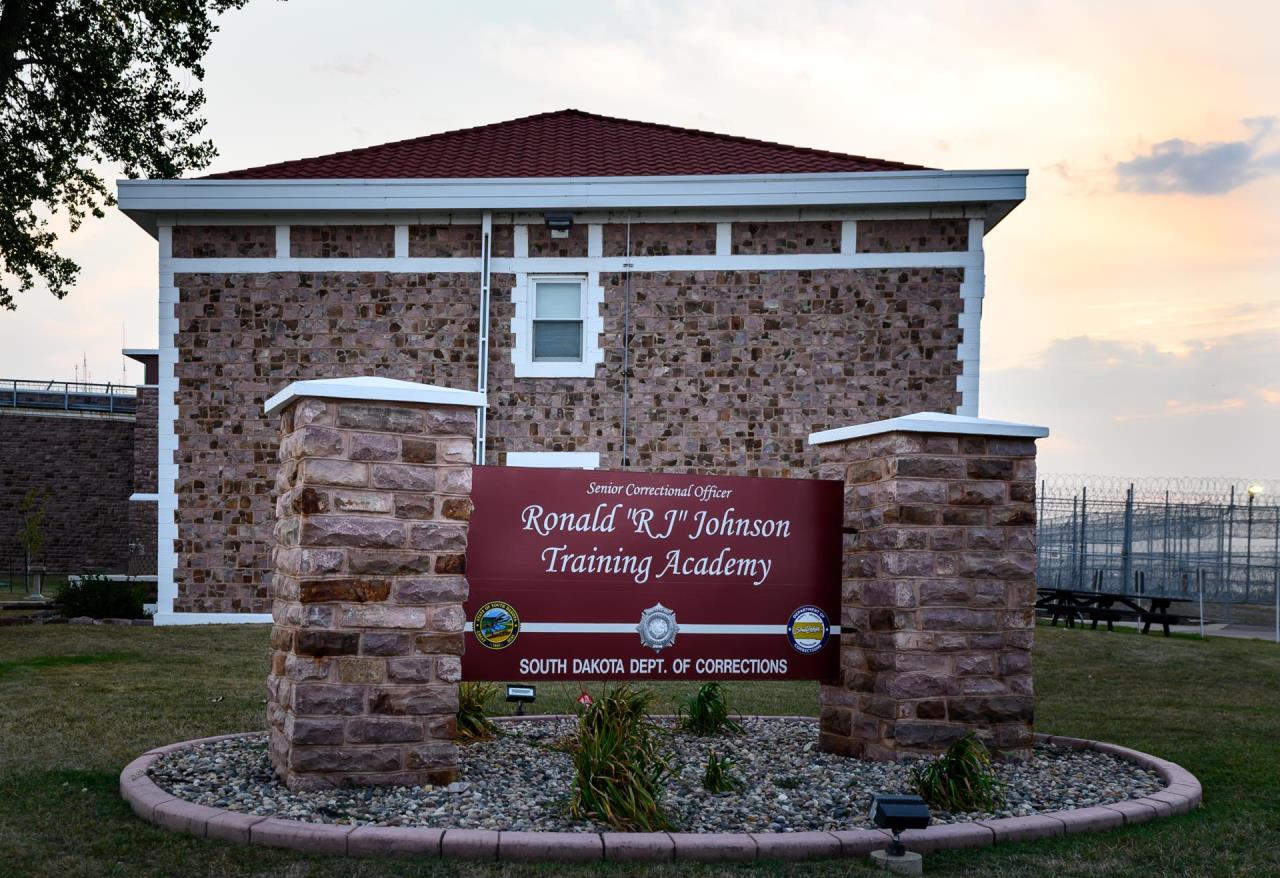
<point x="101" y="598"/>
<point x="719" y="777"/>
<point x="707" y="713"/>
<point x="473" y="720"/>
<point x="962" y="779"/>
<point x="618" y="766"/>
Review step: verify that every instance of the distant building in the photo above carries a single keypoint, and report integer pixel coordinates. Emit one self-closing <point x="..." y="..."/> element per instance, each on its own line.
<point x="624" y="293"/>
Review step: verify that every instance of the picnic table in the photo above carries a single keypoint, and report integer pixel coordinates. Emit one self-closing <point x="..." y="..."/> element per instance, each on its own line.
<point x="1101" y="606"/>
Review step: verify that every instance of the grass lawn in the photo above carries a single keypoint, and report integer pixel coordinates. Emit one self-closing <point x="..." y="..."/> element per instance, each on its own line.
<point x="77" y="703"/>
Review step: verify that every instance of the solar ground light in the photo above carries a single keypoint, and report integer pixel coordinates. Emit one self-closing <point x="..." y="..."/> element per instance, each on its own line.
<point x="521" y="695"/>
<point x="898" y="813"/>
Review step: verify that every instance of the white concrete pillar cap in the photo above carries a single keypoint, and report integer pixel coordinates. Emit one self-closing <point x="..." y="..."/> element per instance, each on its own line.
<point x="368" y="388"/>
<point x="932" y="422"/>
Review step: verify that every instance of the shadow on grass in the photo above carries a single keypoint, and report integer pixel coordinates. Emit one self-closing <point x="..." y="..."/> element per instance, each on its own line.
<point x="41" y="662"/>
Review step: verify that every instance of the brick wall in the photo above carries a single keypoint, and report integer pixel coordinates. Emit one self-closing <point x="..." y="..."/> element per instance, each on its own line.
<point x="142" y="513"/>
<point x="85" y="464"/>
<point x="731" y="371"/>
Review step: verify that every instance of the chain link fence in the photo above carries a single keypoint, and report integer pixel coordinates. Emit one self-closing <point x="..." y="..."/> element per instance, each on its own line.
<point x="1216" y="540"/>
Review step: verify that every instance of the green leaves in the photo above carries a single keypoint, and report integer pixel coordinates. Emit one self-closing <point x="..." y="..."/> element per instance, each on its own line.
<point x="618" y="767"/>
<point x="473" y="721"/>
<point x="718" y="776"/>
<point x="86" y="84"/>
<point x="707" y="713"/>
<point x="960" y="780"/>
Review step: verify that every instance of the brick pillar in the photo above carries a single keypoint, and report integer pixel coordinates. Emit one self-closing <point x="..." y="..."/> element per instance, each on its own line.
<point x="938" y="585"/>
<point x="373" y="499"/>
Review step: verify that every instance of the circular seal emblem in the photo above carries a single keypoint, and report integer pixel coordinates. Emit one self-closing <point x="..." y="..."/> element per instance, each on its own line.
<point x="496" y="625"/>
<point x="808" y="629"/>
<point x="658" y="627"/>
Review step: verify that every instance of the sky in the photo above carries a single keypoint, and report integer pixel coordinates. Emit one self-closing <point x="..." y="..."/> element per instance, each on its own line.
<point x="1133" y="300"/>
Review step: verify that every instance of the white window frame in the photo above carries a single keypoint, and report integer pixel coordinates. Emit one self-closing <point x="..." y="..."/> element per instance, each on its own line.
<point x="522" y="294"/>
<point x="555" y="459"/>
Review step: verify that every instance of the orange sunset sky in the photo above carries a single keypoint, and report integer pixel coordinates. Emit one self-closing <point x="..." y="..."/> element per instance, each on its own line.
<point x="1133" y="301"/>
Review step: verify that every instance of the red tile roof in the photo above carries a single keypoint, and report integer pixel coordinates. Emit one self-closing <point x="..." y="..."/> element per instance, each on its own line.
<point x="567" y="143"/>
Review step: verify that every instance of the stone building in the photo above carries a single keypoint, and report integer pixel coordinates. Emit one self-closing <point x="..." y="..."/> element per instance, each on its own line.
<point x="622" y="293"/>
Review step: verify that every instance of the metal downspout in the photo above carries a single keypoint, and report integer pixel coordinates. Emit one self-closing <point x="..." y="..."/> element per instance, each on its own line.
<point x="482" y="366"/>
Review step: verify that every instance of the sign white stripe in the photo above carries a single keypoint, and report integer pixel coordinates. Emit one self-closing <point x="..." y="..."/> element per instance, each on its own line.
<point x="630" y="628"/>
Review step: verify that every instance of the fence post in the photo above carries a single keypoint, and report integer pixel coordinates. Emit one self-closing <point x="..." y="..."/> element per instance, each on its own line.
<point x="1200" y="591"/>
<point x="1231" y="519"/>
<point x="1084" y="531"/>
<point x="1126" y="549"/>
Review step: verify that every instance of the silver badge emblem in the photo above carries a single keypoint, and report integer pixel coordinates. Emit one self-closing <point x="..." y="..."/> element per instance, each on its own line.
<point x="658" y="627"/>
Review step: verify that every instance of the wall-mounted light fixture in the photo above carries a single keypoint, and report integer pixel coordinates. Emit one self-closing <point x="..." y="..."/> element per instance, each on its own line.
<point x="559" y="224"/>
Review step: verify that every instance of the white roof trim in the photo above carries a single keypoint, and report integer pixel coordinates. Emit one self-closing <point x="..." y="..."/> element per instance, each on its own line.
<point x="372" y="389"/>
<point x="142" y="199"/>
<point x="932" y="422"/>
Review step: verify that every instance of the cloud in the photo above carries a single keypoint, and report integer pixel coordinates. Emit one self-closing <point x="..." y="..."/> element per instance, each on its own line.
<point x="1204" y="168"/>
<point x="1130" y="409"/>
<point x="350" y="65"/>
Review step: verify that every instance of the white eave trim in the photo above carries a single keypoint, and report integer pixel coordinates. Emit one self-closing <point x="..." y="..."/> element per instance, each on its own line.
<point x="372" y="389"/>
<point x="142" y="198"/>
<point x="932" y="422"/>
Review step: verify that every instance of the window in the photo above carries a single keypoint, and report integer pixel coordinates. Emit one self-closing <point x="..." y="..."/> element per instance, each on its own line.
<point x="556" y="325"/>
<point x="557" y="320"/>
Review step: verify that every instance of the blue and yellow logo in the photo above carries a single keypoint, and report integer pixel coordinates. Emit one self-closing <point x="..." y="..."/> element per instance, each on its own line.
<point x="496" y="625"/>
<point x="808" y="629"/>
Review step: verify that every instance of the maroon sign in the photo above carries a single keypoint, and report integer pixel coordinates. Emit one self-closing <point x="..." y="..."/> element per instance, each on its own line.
<point x="588" y="575"/>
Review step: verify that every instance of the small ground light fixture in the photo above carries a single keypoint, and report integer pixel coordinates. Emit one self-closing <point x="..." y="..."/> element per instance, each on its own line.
<point x="897" y="813"/>
<point x="521" y="695"/>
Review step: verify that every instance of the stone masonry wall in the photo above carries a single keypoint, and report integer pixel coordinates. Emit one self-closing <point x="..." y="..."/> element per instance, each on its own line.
<point x="342" y="242"/>
<point x="913" y="236"/>
<point x="243" y="338"/>
<point x="938" y="593"/>
<point x="83" y="465"/>
<point x="794" y="237"/>
<point x="458" y="241"/>
<point x="207" y="242"/>
<point x="372" y="507"/>
<point x="660" y="239"/>
<point x="730" y="373"/>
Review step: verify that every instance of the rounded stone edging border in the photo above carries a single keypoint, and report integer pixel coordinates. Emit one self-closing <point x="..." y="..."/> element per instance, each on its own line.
<point x="1181" y="794"/>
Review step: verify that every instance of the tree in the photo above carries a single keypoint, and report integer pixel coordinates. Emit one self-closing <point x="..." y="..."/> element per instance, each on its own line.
<point x="31" y="531"/>
<point x="83" y="84"/>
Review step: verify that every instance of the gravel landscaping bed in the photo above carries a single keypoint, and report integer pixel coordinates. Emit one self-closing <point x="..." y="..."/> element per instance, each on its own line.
<point x="520" y="783"/>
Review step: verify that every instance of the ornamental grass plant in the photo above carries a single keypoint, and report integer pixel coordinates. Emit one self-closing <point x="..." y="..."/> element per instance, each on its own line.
<point x="618" y="763"/>
<point x="718" y="776"/>
<point x="960" y="780"/>
<point x="707" y="712"/>
<point x="473" y="718"/>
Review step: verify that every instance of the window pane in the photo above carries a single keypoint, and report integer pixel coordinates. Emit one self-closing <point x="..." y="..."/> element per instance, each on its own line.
<point x="557" y="340"/>
<point x="559" y="300"/>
